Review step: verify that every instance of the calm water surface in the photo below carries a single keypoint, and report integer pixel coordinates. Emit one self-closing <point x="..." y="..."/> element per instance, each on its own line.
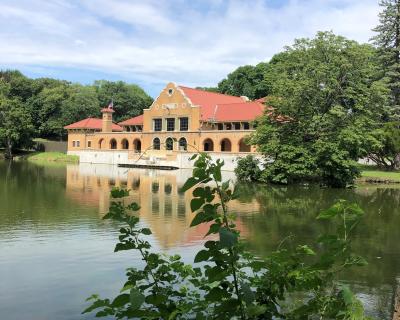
<point x="55" y="250"/>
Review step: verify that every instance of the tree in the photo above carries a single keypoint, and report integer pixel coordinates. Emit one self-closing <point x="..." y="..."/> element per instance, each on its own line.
<point x="49" y="106"/>
<point x="15" y="122"/>
<point x="81" y="103"/>
<point x="388" y="43"/>
<point x="385" y="149"/>
<point x="326" y="104"/>
<point x="129" y="99"/>
<point x="246" y="81"/>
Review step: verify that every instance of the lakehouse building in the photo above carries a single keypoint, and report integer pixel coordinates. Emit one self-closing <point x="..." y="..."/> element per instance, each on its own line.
<point x="180" y="122"/>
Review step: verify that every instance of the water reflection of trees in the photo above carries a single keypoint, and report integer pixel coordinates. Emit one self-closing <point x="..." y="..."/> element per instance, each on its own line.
<point x="291" y="211"/>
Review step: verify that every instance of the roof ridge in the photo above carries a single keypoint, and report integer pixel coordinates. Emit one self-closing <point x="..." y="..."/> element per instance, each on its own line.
<point x="210" y="92"/>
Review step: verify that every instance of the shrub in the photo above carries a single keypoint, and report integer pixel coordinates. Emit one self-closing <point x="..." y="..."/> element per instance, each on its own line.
<point x="248" y="169"/>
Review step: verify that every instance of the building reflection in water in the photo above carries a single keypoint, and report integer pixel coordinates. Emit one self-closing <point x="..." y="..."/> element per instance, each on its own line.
<point x="164" y="208"/>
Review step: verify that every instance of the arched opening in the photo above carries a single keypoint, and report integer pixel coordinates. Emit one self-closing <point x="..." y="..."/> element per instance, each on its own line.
<point x="226" y="145"/>
<point x="101" y="143"/>
<point x="156" y="144"/>
<point x="243" y="146"/>
<point x="182" y="144"/>
<point x="113" y="144"/>
<point x="169" y="144"/>
<point x="208" y="145"/>
<point x="137" y="145"/>
<point x="124" y="144"/>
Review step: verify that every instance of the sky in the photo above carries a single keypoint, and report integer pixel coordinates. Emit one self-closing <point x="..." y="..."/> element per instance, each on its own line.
<point x="153" y="42"/>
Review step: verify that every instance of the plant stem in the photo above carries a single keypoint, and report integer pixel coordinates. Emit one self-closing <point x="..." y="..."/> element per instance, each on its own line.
<point x="231" y="252"/>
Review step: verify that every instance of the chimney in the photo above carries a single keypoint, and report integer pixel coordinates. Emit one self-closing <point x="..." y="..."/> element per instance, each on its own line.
<point x="107" y="119"/>
<point x="245" y="99"/>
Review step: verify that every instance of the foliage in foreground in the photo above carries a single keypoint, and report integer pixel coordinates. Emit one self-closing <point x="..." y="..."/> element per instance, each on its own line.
<point x="226" y="281"/>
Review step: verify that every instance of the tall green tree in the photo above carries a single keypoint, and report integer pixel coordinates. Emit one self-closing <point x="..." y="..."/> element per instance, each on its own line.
<point x="326" y="105"/>
<point x="387" y="41"/>
<point x="15" y="123"/>
<point x="246" y="81"/>
<point x="129" y="99"/>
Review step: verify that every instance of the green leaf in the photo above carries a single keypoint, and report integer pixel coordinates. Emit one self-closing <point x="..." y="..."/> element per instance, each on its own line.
<point x="191" y="182"/>
<point x="145" y="231"/>
<point x="196" y="204"/>
<point x="214" y="228"/>
<point x="202" y="255"/>
<point x="227" y="238"/>
<point x="119" y="193"/>
<point x="120" y="300"/>
<point x="329" y="213"/>
<point x="136" y="298"/>
<point x="256" y="310"/>
<point x="200" y="218"/>
<point x="247" y="294"/>
<point x="347" y="295"/>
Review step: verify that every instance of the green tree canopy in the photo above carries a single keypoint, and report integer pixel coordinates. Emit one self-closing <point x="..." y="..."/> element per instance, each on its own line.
<point x="325" y="88"/>
<point x="129" y="99"/>
<point x="246" y="81"/>
<point x="15" y="123"/>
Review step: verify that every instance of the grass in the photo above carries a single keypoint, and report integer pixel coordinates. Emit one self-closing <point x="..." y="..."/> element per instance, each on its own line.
<point x="374" y="173"/>
<point x="53" y="157"/>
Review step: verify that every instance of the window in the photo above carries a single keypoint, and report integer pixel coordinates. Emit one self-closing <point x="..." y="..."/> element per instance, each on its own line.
<point x="157" y="124"/>
<point x="89" y="144"/>
<point x="170" y="124"/>
<point x="78" y="143"/>
<point x="237" y="125"/>
<point x="246" y="126"/>
<point x="169" y="144"/>
<point x="73" y="143"/>
<point x="184" y="124"/>
<point x="228" y="126"/>
<point x="220" y="126"/>
<point x="170" y="92"/>
<point x="156" y="144"/>
<point x="182" y="144"/>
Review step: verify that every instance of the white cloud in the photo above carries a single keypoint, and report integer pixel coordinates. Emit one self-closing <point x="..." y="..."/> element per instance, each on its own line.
<point x="154" y="42"/>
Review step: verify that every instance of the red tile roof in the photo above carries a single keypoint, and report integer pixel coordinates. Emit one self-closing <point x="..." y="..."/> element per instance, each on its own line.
<point x="132" y="121"/>
<point x="245" y="111"/>
<point x="208" y="100"/>
<point x="91" y="123"/>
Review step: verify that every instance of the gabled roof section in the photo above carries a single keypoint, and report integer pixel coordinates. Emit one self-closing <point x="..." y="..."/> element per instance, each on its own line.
<point x="245" y="111"/>
<point x="208" y="100"/>
<point x="91" y="123"/>
<point x="132" y="121"/>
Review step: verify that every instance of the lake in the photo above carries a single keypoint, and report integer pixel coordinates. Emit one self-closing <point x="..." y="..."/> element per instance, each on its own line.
<point x="55" y="249"/>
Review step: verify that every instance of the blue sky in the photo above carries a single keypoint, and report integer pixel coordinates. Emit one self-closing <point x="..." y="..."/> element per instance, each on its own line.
<point x="149" y="42"/>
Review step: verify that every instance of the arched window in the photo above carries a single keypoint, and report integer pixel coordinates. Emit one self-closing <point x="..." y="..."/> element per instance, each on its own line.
<point x="226" y="145"/>
<point x="243" y="146"/>
<point x="182" y="144"/>
<point x="156" y="144"/>
<point x="113" y="144"/>
<point x="137" y="145"/>
<point x="169" y="144"/>
<point x="208" y="145"/>
<point x="124" y="144"/>
<point x="101" y="143"/>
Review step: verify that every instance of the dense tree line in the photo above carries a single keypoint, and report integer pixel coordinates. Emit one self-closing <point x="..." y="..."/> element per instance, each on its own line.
<point x="41" y="107"/>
